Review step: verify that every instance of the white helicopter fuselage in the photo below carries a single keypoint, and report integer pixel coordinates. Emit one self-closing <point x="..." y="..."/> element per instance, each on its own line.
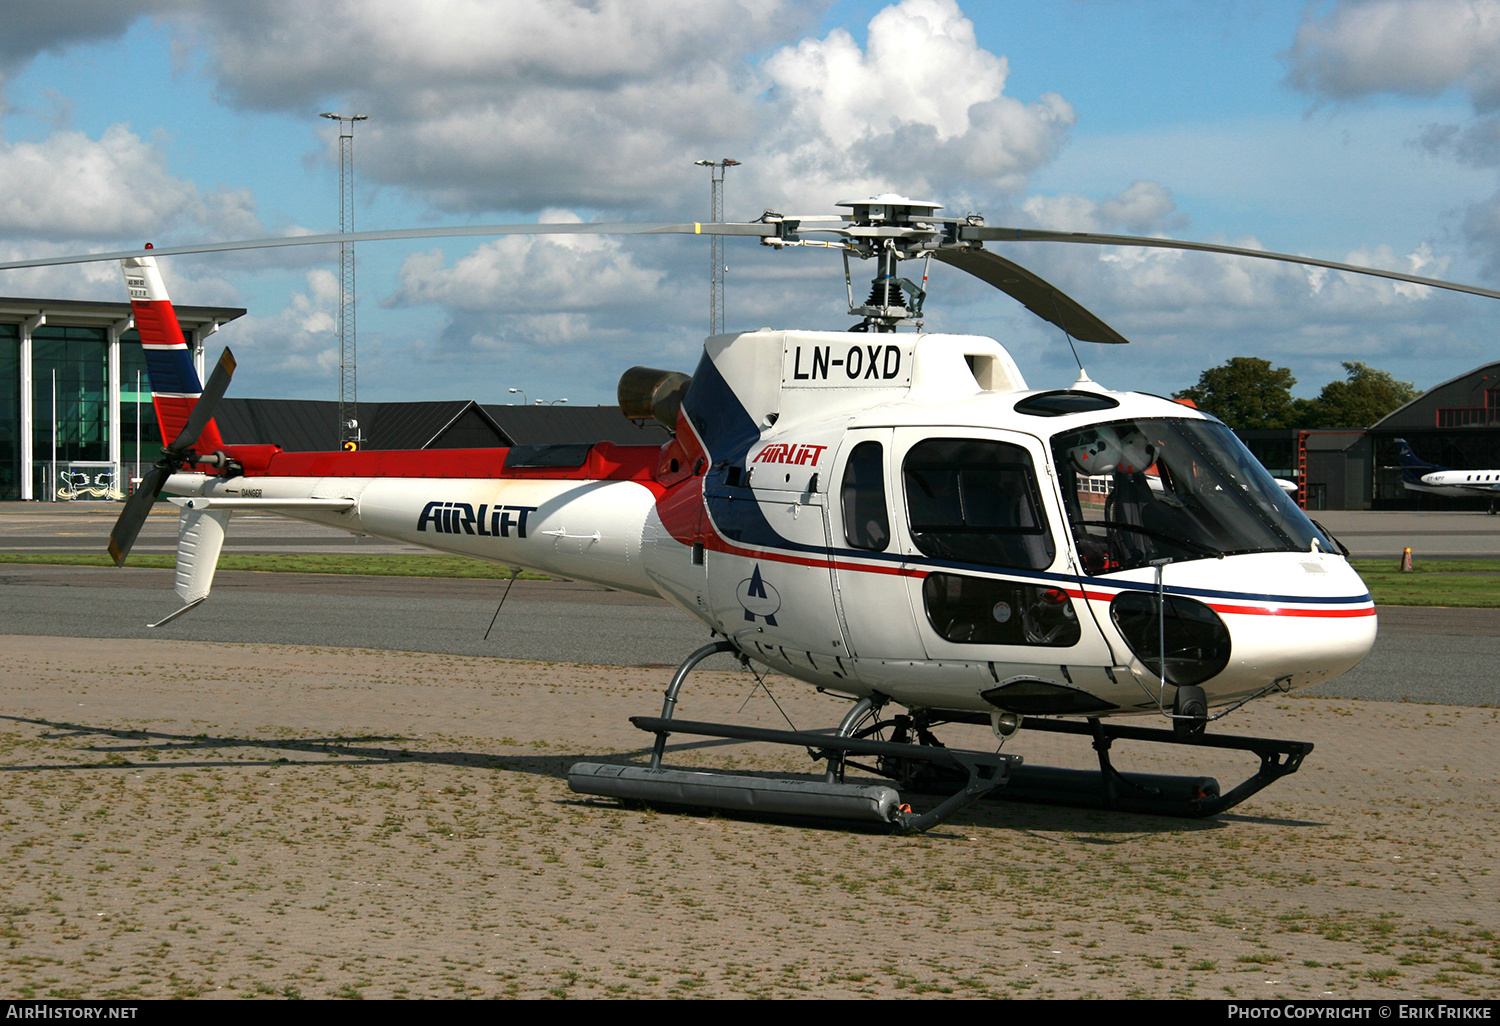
<point x="891" y="514"/>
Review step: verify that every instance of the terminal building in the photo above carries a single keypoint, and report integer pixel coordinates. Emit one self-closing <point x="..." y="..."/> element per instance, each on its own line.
<point x="75" y="405"/>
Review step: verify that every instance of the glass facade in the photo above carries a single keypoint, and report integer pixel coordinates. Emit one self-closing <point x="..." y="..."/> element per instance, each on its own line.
<point x="137" y="415"/>
<point x="10" y="411"/>
<point x="69" y="404"/>
<point x="63" y="432"/>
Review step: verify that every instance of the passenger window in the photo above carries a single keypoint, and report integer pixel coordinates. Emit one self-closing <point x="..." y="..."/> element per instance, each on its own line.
<point x="984" y="611"/>
<point x="867" y="525"/>
<point x="973" y="500"/>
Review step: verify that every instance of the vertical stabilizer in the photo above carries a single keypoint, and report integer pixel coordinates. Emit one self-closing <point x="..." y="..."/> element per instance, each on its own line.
<point x="175" y="387"/>
<point x="1412" y="465"/>
<point x="200" y="538"/>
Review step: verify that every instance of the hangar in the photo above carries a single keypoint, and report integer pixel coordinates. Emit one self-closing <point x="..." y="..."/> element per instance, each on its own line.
<point x="1456" y="424"/>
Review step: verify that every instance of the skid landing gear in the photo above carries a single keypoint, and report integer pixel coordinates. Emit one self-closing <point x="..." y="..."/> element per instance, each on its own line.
<point x="914" y="760"/>
<point x="979" y="773"/>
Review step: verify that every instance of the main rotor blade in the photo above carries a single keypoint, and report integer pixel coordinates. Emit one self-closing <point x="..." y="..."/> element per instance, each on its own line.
<point x="1039" y="296"/>
<point x="203" y="409"/>
<point x="998" y="234"/>
<point x="137" y="508"/>
<point x="689" y="228"/>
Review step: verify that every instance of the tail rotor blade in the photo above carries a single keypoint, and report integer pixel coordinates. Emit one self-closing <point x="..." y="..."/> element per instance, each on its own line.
<point x="203" y="409"/>
<point x="137" y="508"/>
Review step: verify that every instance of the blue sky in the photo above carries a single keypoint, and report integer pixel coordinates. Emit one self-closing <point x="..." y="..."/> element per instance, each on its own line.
<point x="1360" y="131"/>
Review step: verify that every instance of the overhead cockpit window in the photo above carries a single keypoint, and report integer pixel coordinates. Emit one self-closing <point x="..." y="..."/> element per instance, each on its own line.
<point x="1168" y="489"/>
<point x="1063" y="402"/>
<point x="973" y="500"/>
<point x="867" y="525"/>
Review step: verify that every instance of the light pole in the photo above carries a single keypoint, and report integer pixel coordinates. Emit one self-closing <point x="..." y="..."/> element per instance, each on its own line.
<point x="348" y="384"/>
<point x="137" y="430"/>
<point x="716" y="169"/>
<point x="522" y="391"/>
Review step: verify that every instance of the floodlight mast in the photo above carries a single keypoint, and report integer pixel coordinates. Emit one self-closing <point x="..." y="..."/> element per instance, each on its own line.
<point x="348" y="429"/>
<point x="716" y="169"/>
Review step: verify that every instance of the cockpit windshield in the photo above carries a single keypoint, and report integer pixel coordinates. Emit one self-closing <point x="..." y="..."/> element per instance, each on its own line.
<point x="1138" y="491"/>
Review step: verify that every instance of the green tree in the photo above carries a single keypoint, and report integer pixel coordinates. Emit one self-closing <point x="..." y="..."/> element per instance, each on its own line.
<point x="1360" y="400"/>
<point x="1246" y="392"/>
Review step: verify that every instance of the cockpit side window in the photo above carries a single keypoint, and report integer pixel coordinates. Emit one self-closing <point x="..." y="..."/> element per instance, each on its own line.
<point x="867" y="524"/>
<point x="974" y="500"/>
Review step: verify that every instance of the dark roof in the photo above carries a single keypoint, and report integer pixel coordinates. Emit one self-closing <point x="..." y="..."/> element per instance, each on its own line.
<point x="441" y="424"/>
<point x="297" y="425"/>
<point x="1465" y="391"/>
<point x="311" y="425"/>
<point x="565" y="425"/>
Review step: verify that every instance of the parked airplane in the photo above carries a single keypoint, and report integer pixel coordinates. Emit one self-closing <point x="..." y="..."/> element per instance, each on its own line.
<point x="1420" y="476"/>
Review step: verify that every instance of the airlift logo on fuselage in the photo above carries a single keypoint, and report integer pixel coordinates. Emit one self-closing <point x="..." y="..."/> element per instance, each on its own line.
<point x="797" y="455"/>
<point x="863" y="363"/>
<point x="461" y="518"/>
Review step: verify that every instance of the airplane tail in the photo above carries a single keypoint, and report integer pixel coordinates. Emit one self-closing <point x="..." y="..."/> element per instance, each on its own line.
<point x="175" y="386"/>
<point x="1413" y="466"/>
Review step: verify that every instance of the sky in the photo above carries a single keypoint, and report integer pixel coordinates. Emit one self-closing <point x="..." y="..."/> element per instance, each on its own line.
<point x="1364" y="131"/>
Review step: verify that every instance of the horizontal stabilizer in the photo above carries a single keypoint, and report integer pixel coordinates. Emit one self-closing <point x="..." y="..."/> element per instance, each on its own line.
<point x="262" y="505"/>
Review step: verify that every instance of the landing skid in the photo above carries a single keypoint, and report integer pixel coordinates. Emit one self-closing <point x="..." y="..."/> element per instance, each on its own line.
<point x="1181" y="796"/>
<point x="917" y="761"/>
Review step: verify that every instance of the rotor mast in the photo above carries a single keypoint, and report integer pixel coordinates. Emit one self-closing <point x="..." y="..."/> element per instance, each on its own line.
<point x="348" y="429"/>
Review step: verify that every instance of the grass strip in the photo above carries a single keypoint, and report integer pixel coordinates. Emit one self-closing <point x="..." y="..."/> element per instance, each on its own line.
<point x="311" y="563"/>
<point x="1472" y="583"/>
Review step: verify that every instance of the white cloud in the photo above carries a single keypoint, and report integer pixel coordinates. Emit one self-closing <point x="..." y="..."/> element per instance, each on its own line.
<point x="1415" y="47"/>
<point x="606" y="105"/>
<point x="528" y="273"/>
<point x="31" y="29"/>
<point x="301" y="339"/>
<point x="1420" y="48"/>
<point x="920" y="110"/>
<point x="1185" y="311"/>
<point x="72" y="186"/>
<point x="482" y="105"/>
<point x="114" y="188"/>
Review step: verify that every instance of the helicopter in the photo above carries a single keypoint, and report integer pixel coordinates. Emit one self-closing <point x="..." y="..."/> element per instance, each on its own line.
<point x="894" y="517"/>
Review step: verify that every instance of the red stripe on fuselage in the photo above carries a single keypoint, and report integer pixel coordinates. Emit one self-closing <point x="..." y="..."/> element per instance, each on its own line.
<point x="1243" y="610"/>
<point x="605" y="462"/>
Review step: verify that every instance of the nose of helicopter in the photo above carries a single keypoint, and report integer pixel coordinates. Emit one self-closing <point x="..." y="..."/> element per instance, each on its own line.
<point x="1291" y="619"/>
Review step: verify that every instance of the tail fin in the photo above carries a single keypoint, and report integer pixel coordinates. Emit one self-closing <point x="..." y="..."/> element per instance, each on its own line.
<point x="1414" y="466"/>
<point x="175" y="386"/>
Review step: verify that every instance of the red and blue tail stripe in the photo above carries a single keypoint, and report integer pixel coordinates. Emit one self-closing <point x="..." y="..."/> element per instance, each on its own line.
<point x="175" y="386"/>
